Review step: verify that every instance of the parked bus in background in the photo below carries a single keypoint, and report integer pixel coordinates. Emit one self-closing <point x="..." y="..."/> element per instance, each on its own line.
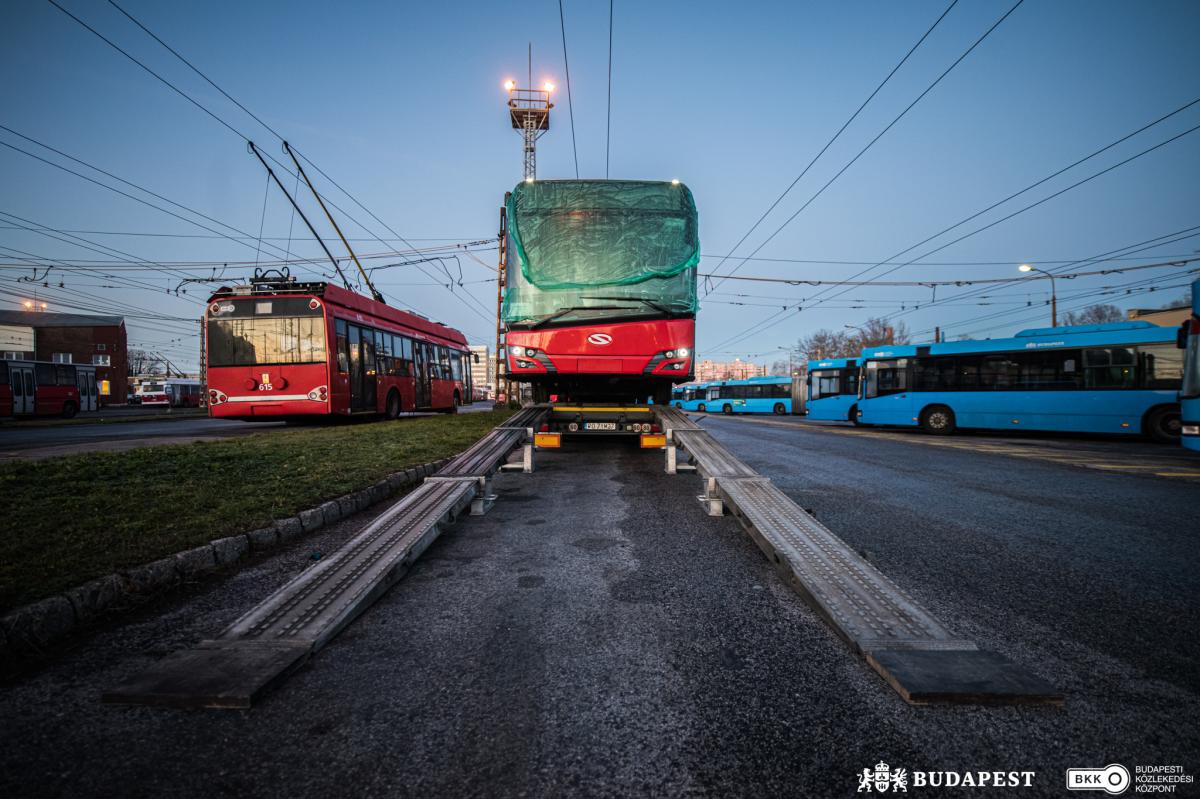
<point x="38" y="388"/>
<point x="1113" y="378"/>
<point x="183" y="392"/>
<point x="832" y="386"/>
<point x="1189" y="391"/>
<point x="152" y="394"/>
<point x="689" y="396"/>
<point x="752" y="395"/>
<point x="282" y="349"/>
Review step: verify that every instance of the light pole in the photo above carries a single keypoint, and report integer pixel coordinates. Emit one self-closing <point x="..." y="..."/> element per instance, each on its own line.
<point x="1053" y="291"/>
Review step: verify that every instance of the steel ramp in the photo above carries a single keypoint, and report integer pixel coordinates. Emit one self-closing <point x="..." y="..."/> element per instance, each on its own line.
<point x="284" y="630"/>
<point x="914" y="652"/>
<point x="674" y="419"/>
<point x="280" y="633"/>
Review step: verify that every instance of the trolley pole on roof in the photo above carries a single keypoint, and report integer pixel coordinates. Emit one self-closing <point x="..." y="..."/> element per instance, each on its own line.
<point x="529" y="111"/>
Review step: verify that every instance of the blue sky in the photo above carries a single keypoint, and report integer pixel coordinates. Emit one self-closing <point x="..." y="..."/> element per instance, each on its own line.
<point x="402" y="104"/>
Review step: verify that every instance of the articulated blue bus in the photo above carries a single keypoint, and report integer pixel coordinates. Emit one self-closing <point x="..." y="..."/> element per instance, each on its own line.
<point x="1189" y="391"/>
<point x="752" y="395"/>
<point x="833" y="390"/>
<point x="1113" y="378"/>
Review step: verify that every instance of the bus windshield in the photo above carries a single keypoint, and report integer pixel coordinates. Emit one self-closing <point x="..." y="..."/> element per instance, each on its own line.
<point x="255" y="332"/>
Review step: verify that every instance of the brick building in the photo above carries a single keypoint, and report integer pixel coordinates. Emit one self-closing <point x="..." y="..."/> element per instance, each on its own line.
<point x="733" y="370"/>
<point x="71" y="338"/>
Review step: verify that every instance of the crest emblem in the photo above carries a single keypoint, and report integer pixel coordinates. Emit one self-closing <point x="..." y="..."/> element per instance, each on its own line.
<point x="600" y="339"/>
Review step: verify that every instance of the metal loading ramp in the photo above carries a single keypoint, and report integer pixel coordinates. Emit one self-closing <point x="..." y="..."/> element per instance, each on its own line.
<point x="279" y="634"/>
<point x="917" y="655"/>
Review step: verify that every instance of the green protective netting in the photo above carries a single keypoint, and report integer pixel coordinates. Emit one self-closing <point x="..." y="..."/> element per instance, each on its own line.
<point x="583" y="243"/>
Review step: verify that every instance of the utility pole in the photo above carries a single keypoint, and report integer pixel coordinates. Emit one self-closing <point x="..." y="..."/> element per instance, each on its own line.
<point x="501" y="276"/>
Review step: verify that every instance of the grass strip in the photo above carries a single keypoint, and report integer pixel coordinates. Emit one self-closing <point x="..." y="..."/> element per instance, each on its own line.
<point x="70" y="519"/>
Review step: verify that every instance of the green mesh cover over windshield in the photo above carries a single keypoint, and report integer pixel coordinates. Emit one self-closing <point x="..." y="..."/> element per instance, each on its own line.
<point x="592" y="233"/>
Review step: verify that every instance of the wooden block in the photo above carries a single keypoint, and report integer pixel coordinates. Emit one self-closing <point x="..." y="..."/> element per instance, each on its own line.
<point x="927" y="676"/>
<point x="215" y="674"/>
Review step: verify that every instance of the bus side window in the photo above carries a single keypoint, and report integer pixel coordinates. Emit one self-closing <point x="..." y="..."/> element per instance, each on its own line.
<point x="406" y="355"/>
<point x="1108" y="368"/>
<point x="45" y="374"/>
<point x="1161" y="366"/>
<point x="343" y="346"/>
<point x="455" y="366"/>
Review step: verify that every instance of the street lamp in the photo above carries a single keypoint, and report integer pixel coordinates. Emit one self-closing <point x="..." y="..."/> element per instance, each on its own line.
<point x="1053" y="291"/>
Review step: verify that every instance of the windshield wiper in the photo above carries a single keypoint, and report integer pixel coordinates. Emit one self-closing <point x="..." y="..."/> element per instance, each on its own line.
<point x="656" y="306"/>
<point x="564" y="311"/>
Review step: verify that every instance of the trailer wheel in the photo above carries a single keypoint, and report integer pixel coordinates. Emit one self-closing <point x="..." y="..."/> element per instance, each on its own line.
<point x="1164" y="425"/>
<point x="392" y="407"/>
<point x="938" y="420"/>
<point x="779" y="409"/>
<point x="69" y="409"/>
<point x="727" y="409"/>
<point x="702" y="408"/>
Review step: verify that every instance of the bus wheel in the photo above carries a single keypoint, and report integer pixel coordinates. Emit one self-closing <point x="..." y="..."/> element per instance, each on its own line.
<point x="727" y="409"/>
<point x="852" y="416"/>
<point x="392" y="408"/>
<point x="938" y="419"/>
<point x="1163" y="425"/>
<point x="455" y="403"/>
<point x="779" y="409"/>
<point x="69" y="409"/>
<point x="702" y="408"/>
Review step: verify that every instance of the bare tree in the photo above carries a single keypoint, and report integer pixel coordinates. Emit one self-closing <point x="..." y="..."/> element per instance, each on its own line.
<point x="824" y="344"/>
<point x="142" y="362"/>
<point x="781" y="369"/>
<point x="1093" y="315"/>
<point x="878" y="331"/>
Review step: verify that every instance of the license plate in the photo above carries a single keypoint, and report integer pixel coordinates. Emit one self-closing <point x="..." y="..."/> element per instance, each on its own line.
<point x="599" y="425"/>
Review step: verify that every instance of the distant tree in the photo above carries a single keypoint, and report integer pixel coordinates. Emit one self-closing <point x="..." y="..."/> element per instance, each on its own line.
<point x="781" y="369"/>
<point x="142" y="362"/>
<point x="1182" y="301"/>
<point x="878" y="331"/>
<point x="824" y="344"/>
<point x="1093" y="315"/>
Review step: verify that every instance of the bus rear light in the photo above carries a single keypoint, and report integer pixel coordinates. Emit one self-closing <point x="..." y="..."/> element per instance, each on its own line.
<point x="655" y="428"/>
<point x="216" y="397"/>
<point x="319" y="394"/>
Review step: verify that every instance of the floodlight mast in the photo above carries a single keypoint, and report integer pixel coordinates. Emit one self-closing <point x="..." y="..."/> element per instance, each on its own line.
<point x="529" y="110"/>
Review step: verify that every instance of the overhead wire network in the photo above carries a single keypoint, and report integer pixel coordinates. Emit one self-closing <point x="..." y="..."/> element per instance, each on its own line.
<point x="235" y="130"/>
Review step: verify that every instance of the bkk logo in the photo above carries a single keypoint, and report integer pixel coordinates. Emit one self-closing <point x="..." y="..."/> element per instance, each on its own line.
<point x="601" y="339"/>
<point x="884" y="779"/>
<point x="1112" y="779"/>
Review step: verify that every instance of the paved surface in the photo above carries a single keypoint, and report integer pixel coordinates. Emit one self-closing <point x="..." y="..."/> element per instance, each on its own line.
<point x="597" y="635"/>
<point x="46" y="442"/>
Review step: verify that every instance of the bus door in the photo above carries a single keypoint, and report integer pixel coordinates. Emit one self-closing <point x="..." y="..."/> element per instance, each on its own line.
<point x="357" y="369"/>
<point x="423" y="355"/>
<point x="85" y="380"/>
<point x="21" y="378"/>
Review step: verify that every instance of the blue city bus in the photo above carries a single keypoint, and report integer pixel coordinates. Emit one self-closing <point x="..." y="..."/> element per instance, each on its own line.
<point x="1112" y="378"/>
<point x="752" y="395"/>
<point x="1189" y="392"/>
<point x="689" y="396"/>
<point x="833" y="390"/>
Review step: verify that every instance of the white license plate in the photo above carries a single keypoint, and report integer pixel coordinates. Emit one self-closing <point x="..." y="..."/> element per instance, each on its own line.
<point x="599" y="425"/>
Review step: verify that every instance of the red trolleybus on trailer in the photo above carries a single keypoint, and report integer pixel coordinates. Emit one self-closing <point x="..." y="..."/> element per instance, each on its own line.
<point x="282" y="349"/>
<point x="600" y="289"/>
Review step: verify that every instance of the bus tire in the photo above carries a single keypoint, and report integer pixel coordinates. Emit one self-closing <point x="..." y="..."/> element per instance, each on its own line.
<point x="454" y="403"/>
<point x="69" y="409"/>
<point x="727" y="409"/>
<point x="392" y="407"/>
<point x="779" y="409"/>
<point x="852" y="416"/>
<point x="702" y="408"/>
<point x="1163" y="424"/>
<point x="938" y="420"/>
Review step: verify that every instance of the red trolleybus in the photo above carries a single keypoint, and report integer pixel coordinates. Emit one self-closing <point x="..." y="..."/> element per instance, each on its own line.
<point x="600" y="288"/>
<point x="281" y="349"/>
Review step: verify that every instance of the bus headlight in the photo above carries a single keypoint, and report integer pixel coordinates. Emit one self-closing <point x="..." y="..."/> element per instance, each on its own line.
<point x="683" y="352"/>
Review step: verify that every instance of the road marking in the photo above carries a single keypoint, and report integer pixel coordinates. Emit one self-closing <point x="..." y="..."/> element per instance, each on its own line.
<point x="1033" y="452"/>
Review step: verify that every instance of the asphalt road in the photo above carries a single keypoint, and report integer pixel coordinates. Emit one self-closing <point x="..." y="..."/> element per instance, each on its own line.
<point x="596" y="634"/>
<point x="44" y="442"/>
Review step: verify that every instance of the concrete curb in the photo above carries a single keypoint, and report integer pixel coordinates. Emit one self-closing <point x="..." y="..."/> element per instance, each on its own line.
<point x="29" y="630"/>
